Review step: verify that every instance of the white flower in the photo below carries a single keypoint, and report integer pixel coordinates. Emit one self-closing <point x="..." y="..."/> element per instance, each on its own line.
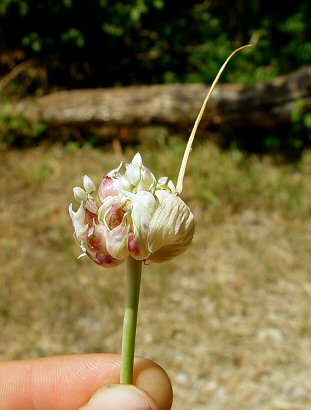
<point x="133" y="170"/>
<point x="78" y="220"/>
<point x="79" y="194"/>
<point x="88" y="184"/>
<point x="133" y="214"/>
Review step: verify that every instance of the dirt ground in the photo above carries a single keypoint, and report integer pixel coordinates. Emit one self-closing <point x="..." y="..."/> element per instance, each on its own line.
<point x="229" y="320"/>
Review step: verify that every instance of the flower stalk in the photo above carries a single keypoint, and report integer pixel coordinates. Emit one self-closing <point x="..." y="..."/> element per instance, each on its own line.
<point x="130" y="319"/>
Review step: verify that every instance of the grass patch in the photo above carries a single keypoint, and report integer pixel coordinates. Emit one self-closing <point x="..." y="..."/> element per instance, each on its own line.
<point x="241" y="291"/>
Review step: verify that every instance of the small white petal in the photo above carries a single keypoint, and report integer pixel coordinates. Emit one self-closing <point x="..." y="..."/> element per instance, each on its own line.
<point x="147" y="181"/>
<point x="88" y="184"/>
<point x="171" y="186"/>
<point x="163" y="180"/>
<point x="119" y="200"/>
<point x="91" y="206"/>
<point x="79" y="194"/>
<point x="137" y="160"/>
<point x="133" y="170"/>
<point x="78" y="221"/>
<point x="108" y="187"/>
<point x="144" y="206"/>
<point x="116" y="241"/>
<point x="124" y="184"/>
<point x="166" y="183"/>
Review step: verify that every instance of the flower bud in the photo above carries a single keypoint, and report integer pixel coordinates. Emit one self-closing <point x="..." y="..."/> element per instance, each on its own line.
<point x="91" y="206"/>
<point x="88" y="184"/>
<point x="78" y="220"/>
<point x="133" y="170"/>
<point x="106" y="188"/>
<point x="79" y="194"/>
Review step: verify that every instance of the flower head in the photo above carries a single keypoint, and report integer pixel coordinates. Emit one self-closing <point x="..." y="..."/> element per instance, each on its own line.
<point x="131" y="214"/>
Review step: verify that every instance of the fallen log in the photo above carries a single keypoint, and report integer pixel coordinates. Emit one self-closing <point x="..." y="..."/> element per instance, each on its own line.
<point x="176" y="105"/>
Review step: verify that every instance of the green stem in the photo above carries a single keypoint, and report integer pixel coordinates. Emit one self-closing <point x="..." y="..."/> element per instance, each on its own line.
<point x="130" y="319"/>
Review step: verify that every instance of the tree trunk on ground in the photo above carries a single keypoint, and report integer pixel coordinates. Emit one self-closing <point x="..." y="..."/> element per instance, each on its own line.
<point x="176" y="105"/>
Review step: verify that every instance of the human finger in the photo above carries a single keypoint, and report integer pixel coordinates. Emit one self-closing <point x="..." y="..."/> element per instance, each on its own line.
<point x="68" y="382"/>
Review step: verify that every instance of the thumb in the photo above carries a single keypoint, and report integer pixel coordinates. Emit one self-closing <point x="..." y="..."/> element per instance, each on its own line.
<point x="151" y="390"/>
<point x="120" y="396"/>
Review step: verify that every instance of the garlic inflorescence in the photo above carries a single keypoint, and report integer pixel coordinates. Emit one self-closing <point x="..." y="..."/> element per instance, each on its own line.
<point x="134" y="214"/>
<point x="131" y="214"/>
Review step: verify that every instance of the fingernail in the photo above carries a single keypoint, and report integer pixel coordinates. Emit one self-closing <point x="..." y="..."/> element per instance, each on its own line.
<point x="119" y="397"/>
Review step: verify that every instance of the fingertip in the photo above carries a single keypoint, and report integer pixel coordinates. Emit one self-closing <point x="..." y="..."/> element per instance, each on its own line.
<point x="120" y="396"/>
<point x="150" y="377"/>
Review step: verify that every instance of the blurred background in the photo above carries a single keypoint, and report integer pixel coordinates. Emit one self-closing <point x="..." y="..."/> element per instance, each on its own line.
<point x="230" y="319"/>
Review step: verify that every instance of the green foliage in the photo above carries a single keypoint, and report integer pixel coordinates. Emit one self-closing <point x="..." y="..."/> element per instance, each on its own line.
<point x="103" y="43"/>
<point x="17" y="130"/>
